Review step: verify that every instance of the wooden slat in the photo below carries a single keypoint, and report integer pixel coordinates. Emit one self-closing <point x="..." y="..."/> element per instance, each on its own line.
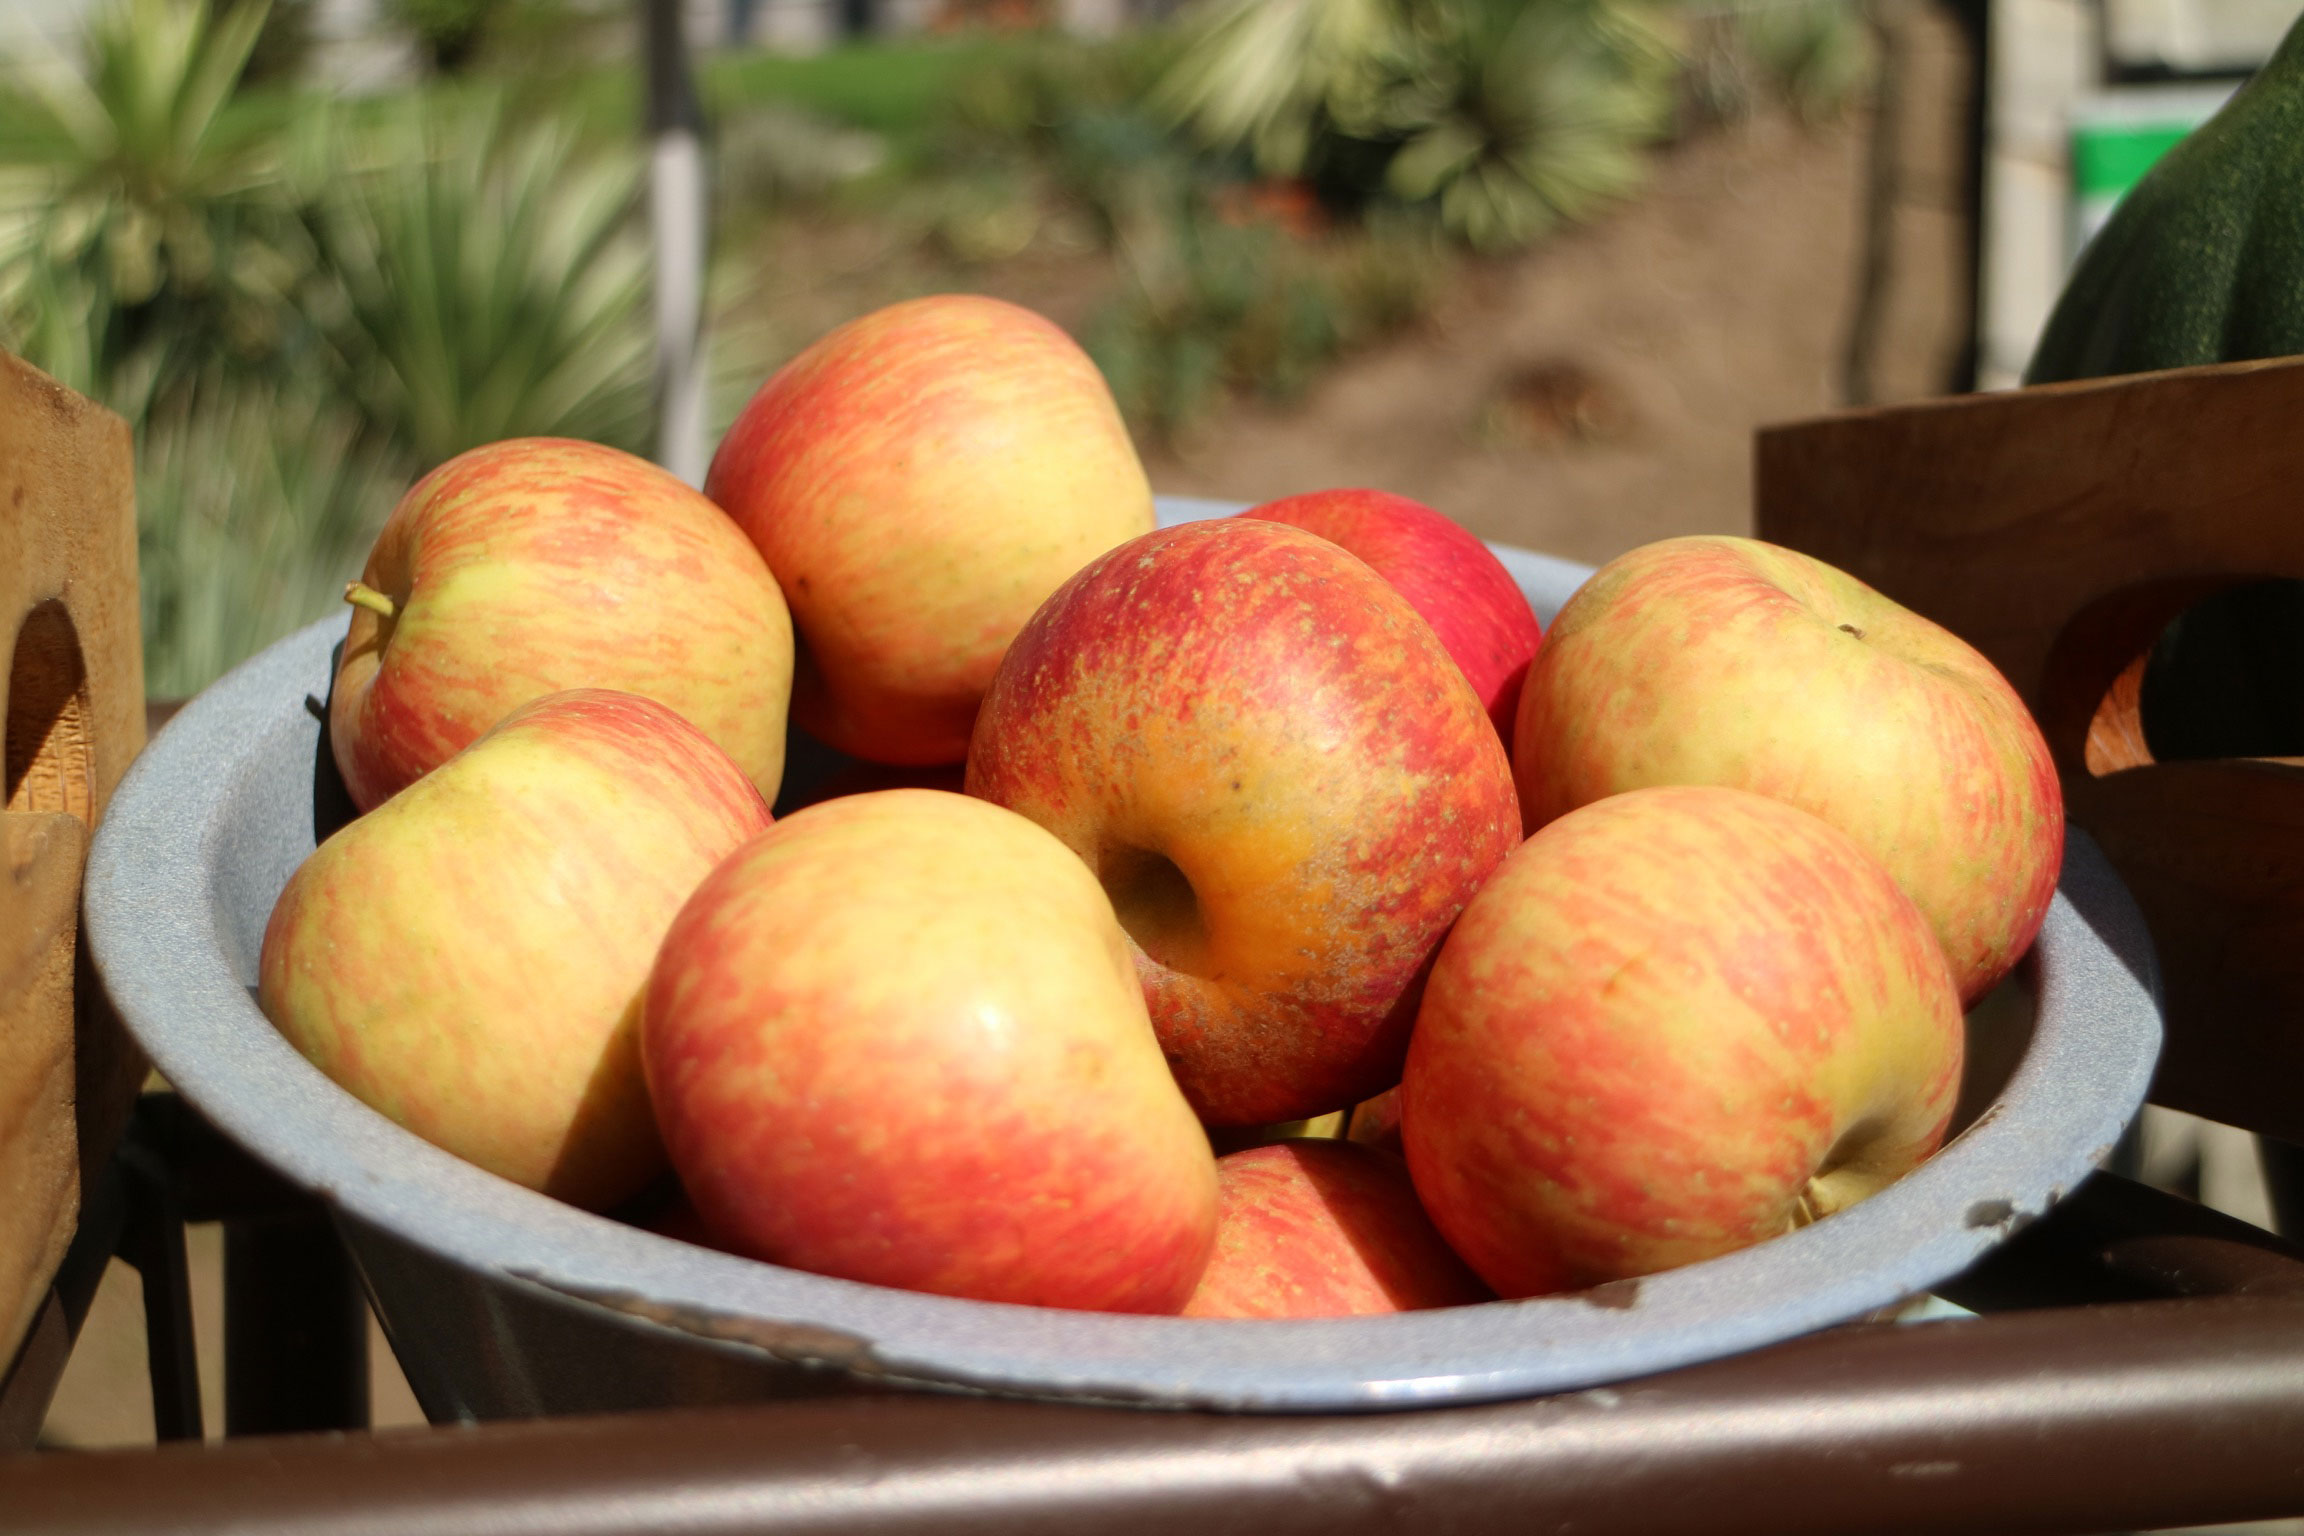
<point x="72" y="692"/>
<point x="2059" y="530"/>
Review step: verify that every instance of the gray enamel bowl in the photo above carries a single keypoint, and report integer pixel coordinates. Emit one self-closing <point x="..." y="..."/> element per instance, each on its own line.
<point x="500" y="1302"/>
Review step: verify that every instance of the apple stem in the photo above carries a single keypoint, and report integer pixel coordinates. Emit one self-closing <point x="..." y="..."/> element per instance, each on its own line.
<point x="361" y="595"/>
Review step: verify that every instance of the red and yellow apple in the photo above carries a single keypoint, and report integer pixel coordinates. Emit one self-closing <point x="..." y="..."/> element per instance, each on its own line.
<point x="1449" y="577"/>
<point x="1727" y="661"/>
<point x="540" y="564"/>
<point x="467" y="958"/>
<point x="920" y="480"/>
<point x="1674" y="1023"/>
<point x="1320" y="1228"/>
<point x="1285" y="784"/>
<point x="899" y="1039"/>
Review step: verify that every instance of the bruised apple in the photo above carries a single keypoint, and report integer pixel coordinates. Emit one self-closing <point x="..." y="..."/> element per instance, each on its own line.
<point x="898" y="1039"/>
<point x="467" y="958"/>
<point x="1285" y="784"/>
<point x="1674" y="1023"/>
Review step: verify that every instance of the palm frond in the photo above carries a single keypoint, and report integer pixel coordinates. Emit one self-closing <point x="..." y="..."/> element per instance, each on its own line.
<point x="136" y="187"/>
<point x="1259" y="73"/>
<point x="495" y="285"/>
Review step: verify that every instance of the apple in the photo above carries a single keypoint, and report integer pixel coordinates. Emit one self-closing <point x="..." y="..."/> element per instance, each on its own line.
<point x="899" y="1039"/>
<point x="467" y="958"/>
<point x="1714" y="660"/>
<point x="539" y="564"/>
<point x="920" y="480"/>
<point x="1674" y="1023"/>
<point x="1314" y="1228"/>
<point x="1448" y="576"/>
<point x="1287" y="787"/>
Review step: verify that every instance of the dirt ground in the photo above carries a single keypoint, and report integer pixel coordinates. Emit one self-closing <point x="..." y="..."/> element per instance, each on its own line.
<point x="1601" y="391"/>
<point x="1591" y="395"/>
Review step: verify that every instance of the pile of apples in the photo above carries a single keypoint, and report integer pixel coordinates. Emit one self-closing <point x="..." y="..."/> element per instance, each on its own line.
<point x="1621" y="950"/>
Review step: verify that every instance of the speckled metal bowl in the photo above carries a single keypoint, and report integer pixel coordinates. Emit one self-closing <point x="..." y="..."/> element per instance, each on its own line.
<point x="502" y="1302"/>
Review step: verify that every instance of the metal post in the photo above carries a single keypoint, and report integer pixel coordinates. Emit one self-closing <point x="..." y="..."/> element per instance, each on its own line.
<point x="295" y="1328"/>
<point x="676" y="217"/>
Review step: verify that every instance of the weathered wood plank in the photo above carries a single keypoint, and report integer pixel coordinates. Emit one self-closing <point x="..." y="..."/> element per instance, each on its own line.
<point x="72" y="696"/>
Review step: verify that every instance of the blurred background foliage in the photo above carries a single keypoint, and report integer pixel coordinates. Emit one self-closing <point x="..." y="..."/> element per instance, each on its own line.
<point x="1502" y="116"/>
<point x="301" y="302"/>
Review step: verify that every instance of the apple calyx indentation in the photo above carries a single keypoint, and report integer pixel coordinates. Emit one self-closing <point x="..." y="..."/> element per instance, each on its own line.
<point x="1157" y="907"/>
<point x="360" y="595"/>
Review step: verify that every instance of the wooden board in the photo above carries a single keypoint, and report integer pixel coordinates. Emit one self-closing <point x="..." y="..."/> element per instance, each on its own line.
<point x="2059" y="530"/>
<point x="72" y="693"/>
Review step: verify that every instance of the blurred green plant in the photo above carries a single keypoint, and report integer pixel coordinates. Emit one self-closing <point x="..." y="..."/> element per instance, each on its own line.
<point x="1271" y="76"/>
<point x="1217" y="303"/>
<point x="1816" y="55"/>
<point x="150" y="229"/>
<point x="770" y="154"/>
<point x="901" y="88"/>
<point x="1059" y="120"/>
<point x="1504" y="117"/>
<point x="283" y="45"/>
<point x="449" y="32"/>
<point x="490" y="282"/>
<point x="255" y="503"/>
<point x="1515" y="116"/>
<point x="299" y="305"/>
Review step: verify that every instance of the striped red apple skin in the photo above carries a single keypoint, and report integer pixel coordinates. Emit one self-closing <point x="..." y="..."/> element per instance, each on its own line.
<point x="920" y="480"/>
<point x="1715" y="660"/>
<point x="467" y="958"/>
<point x="1674" y="1023"/>
<point x="1312" y="1228"/>
<point x="1285" y="784"/>
<point x="539" y="564"/>
<point x="899" y="1039"/>
<point x="1450" y="578"/>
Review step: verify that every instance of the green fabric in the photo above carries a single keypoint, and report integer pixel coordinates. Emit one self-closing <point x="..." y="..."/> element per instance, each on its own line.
<point x="2203" y="261"/>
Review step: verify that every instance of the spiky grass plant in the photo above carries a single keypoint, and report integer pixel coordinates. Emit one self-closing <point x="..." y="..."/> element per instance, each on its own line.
<point x="150" y="231"/>
<point x="1269" y="76"/>
<point x="1817" y="55"/>
<point x="1512" y="117"/>
<point x="1504" y="117"/>
<point x="493" y="282"/>
<point x="255" y="504"/>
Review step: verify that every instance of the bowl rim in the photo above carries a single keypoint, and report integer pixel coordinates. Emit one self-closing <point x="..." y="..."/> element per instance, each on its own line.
<point x="156" y="936"/>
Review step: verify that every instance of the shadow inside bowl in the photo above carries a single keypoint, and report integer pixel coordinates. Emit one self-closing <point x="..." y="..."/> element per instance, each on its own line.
<point x="1999" y="1031"/>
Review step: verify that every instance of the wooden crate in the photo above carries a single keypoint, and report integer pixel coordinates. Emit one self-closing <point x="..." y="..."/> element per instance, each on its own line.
<point x="2059" y="530"/>
<point x="72" y="692"/>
